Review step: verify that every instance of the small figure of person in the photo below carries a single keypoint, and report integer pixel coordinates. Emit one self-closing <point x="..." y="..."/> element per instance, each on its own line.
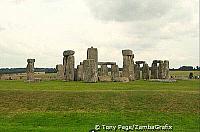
<point x="191" y="75"/>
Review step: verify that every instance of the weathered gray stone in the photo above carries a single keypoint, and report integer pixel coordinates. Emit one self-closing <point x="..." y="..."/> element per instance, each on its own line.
<point x="89" y="70"/>
<point x="92" y="53"/>
<point x="106" y="63"/>
<point x="154" y="70"/>
<point x="64" y="62"/>
<point x="104" y="70"/>
<point x="60" y="72"/>
<point x="121" y="79"/>
<point x="137" y="71"/>
<point x="70" y="68"/>
<point x="166" y="69"/>
<point x="30" y="60"/>
<point x="105" y="78"/>
<point x="127" y="52"/>
<point x="68" y="53"/>
<point x="145" y="71"/>
<point x="30" y="69"/>
<point x="114" y="71"/>
<point x="128" y="65"/>
<point x="75" y="75"/>
<point x="80" y="72"/>
<point x="157" y="61"/>
<point x="140" y="62"/>
<point x="161" y="70"/>
<point x="68" y="63"/>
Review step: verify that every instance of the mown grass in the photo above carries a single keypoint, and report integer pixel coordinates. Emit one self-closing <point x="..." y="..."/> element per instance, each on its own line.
<point x="77" y="106"/>
<point x="83" y="122"/>
<point x="184" y="73"/>
<point x="182" y="85"/>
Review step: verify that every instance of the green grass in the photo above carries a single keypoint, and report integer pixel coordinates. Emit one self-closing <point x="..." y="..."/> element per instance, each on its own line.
<point x="76" y="122"/>
<point x="184" y="73"/>
<point x="77" y="106"/>
<point x="181" y="85"/>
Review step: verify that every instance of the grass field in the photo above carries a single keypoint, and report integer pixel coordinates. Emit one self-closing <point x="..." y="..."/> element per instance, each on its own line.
<point x="184" y="73"/>
<point x="77" y="107"/>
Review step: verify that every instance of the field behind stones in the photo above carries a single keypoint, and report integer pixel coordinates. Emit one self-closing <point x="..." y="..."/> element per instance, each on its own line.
<point x="51" y="106"/>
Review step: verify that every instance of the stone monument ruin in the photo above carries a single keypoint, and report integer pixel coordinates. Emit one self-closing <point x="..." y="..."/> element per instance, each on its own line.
<point x="60" y="72"/>
<point x="30" y="70"/>
<point x="104" y="71"/>
<point x="144" y="69"/>
<point x="88" y="70"/>
<point x="160" y="69"/>
<point x="128" y="64"/>
<point x="68" y="63"/>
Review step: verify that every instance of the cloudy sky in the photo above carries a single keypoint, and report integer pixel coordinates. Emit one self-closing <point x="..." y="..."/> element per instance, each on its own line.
<point x="153" y="29"/>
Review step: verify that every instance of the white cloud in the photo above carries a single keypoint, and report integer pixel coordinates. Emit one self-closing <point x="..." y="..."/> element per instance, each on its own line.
<point x="43" y="29"/>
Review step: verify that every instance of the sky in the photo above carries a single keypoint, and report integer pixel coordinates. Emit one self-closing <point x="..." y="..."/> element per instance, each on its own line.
<point x="153" y="29"/>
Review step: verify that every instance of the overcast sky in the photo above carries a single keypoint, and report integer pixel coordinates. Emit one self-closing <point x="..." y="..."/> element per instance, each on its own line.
<point x="153" y="29"/>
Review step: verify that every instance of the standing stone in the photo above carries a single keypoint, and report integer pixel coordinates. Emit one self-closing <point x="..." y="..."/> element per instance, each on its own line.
<point x="68" y="63"/>
<point x="30" y="69"/>
<point x="80" y="72"/>
<point x="92" y="53"/>
<point x="70" y="68"/>
<point x="161" y="70"/>
<point x="114" y="71"/>
<point x="64" y="63"/>
<point x="154" y="70"/>
<point x="75" y="74"/>
<point x="128" y="64"/>
<point x="104" y="70"/>
<point x="60" y="71"/>
<point x="166" y="69"/>
<point x="145" y="71"/>
<point x="137" y="71"/>
<point x="89" y="71"/>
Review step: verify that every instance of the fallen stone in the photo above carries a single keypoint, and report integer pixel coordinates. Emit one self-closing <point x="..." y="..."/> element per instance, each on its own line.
<point x="163" y="80"/>
<point x="105" y="79"/>
<point x="121" y="79"/>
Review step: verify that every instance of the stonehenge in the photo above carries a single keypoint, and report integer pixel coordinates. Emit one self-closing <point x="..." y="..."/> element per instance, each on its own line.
<point x="91" y="70"/>
<point x="160" y="69"/>
<point x="80" y="72"/>
<point x="92" y="53"/>
<point x="154" y="70"/>
<point x="145" y="72"/>
<point x="104" y="71"/>
<point x="114" y="72"/>
<point x="128" y="64"/>
<point x="166" y="69"/>
<point x="90" y="66"/>
<point x="144" y="69"/>
<point x="30" y="70"/>
<point x="137" y="69"/>
<point x="60" y="71"/>
<point x="68" y="63"/>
